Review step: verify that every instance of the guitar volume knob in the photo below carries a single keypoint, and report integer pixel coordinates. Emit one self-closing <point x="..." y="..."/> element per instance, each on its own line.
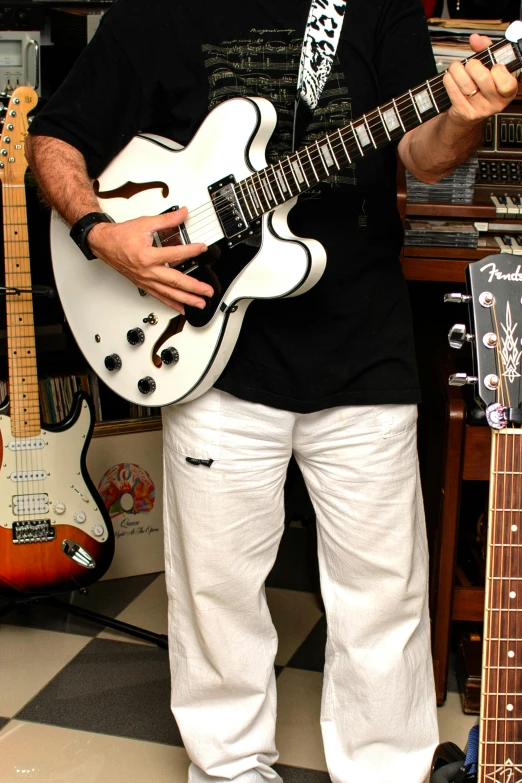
<point x="169" y="356"/>
<point x="147" y="385"/>
<point x="135" y="336"/>
<point x="113" y="362"/>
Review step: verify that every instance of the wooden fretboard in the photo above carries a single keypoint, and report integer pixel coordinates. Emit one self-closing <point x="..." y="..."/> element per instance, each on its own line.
<point x="295" y="173"/>
<point x="23" y="379"/>
<point x="501" y="709"/>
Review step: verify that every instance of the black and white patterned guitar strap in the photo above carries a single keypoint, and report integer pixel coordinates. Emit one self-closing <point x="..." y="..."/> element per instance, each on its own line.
<point x="320" y="42"/>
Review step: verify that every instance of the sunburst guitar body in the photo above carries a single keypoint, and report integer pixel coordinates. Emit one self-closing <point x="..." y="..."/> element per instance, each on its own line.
<point x="55" y="533"/>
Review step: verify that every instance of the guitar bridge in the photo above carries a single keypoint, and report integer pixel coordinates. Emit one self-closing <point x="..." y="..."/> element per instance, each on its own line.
<point x="37" y="532"/>
<point x="228" y="211"/>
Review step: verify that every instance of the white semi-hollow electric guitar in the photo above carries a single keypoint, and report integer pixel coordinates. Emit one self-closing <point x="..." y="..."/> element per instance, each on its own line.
<point x="238" y="206"/>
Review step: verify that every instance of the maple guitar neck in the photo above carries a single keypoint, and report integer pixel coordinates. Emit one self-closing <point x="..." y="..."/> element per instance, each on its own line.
<point x="501" y="705"/>
<point x="295" y="173"/>
<point x="23" y="379"/>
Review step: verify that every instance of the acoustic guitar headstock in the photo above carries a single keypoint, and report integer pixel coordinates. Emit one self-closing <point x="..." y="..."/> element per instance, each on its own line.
<point x="495" y="302"/>
<point x="13" y="163"/>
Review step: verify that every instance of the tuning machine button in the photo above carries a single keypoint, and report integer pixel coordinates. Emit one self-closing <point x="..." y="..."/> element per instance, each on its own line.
<point x="135" y="336"/>
<point x="113" y="362"/>
<point x="147" y="385"/>
<point x="457" y="298"/>
<point x="461" y="379"/>
<point x="457" y="336"/>
<point x="169" y="356"/>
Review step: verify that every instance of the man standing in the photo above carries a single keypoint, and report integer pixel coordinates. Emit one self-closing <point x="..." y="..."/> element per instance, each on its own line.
<point x="329" y="375"/>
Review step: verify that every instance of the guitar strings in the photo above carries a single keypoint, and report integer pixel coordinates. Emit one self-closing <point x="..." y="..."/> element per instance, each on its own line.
<point x="373" y="120"/>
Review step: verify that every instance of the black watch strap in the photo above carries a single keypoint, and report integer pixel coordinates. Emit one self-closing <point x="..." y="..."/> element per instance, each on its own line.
<point x="80" y="231"/>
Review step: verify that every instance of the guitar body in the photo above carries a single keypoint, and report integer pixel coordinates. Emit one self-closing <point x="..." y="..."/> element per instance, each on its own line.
<point x="102" y="306"/>
<point x="44" y="480"/>
<point x="447" y="764"/>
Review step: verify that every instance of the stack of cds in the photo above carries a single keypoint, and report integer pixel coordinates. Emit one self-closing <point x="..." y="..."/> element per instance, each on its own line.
<point x="441" y="233"/>
<point x="457" y="188"/>
<point x="450" y="37"/>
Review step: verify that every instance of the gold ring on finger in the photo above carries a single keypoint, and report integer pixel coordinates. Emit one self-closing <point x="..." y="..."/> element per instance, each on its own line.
<point x="471" y="94"/>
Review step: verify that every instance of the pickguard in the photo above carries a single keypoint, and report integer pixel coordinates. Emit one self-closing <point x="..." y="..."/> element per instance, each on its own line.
<point x="219" y="267"/>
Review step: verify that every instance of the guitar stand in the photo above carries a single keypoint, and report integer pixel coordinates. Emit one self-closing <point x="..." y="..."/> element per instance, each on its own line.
<point x="159" y="639"/>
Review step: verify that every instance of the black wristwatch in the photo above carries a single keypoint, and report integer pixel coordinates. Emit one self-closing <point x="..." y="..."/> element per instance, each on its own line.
<point x="80" y="231"/>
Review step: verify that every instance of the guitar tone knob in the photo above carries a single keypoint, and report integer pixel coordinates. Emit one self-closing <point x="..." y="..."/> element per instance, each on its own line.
<point x="135" y="336"/>
<point x="147" y="385"/>
<point x="80" y="517"/>
<point x="169" y="356"/>
<point x="59" y="507"/>
<point x="98" y="531"/>
<point x="113" y="362"/>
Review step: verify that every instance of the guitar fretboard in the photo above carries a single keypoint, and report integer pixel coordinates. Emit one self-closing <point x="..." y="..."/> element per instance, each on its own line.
<point x="501" y="708"/>
<point x="23" y="380"/>
<point x="295" y="173"/>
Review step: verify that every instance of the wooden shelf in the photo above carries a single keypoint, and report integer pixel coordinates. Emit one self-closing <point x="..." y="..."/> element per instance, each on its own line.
<point x="468" y="604"/>
<point x="103" y="429"/>
<point x="454" y="211"/>
<point x="433" y="269"/>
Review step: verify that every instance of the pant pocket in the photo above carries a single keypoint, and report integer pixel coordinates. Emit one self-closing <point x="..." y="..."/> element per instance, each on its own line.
<point x="396" y="419"/>
<point x="193" y="429"/>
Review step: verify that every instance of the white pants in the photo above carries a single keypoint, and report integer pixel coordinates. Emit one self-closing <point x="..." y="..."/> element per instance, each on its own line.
<point x="223" y="526"/>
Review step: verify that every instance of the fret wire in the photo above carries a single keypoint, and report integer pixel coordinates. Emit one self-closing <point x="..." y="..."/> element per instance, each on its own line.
<point x="384" y="124"/>
<point x="267" y="188"/>
<point x="332" y="151"/>
<point x="398" y="114"/>
<point x="312" y="165"/>
<point x="250" y="215"/>
<point x="322" y="158"/>
<point x="262" y="192"/>
<point x="344" y="146"/>
<point x="278" y="185"/>
<point x="432" y="96"/>
<point x="356" y="139"/>
<point x="298" y="159"/>
<point x="369" y="131"/>
<point x="280" y="164"/>
<point x="414" y="104"/>
<point x="292" y="172"/>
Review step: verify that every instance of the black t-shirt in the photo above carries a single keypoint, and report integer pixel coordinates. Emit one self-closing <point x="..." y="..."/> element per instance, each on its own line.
<point x="161" y="66"/>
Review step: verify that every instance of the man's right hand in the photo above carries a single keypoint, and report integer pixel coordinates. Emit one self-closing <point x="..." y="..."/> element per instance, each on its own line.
<point x="128" y="248"/>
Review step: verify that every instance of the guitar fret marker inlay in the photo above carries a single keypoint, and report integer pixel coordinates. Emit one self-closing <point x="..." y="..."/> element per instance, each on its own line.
<point x="362" y="133"/>
<point x="391" y="119"/>
<point x="423" y="101"/>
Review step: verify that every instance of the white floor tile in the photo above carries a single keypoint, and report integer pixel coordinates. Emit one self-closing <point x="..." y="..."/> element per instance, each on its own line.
<point x="454" y="724"/>
<point x="298" y="735"/>
<point x="48" y="754"/>
<point x="30" y="658"/>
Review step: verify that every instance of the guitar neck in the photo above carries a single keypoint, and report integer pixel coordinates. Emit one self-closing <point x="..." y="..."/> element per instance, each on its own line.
<point x="501" y="707"/>
<point x="296" y="173"/>
<point x="23" y="378"/>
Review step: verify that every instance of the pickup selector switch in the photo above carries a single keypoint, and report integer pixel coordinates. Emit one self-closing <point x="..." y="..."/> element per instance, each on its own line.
<point x="113" y="362"/>
<point x="135" y="336"/>
<point x="169" y="356"/>
<point x="147" y="385"/>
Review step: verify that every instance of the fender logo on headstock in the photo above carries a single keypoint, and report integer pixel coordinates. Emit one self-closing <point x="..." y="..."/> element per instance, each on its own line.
<point x="496" y="274"/>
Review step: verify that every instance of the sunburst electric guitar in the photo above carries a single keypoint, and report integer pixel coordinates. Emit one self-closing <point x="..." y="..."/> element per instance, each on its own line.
<point x="55" y="533"/>
<point x="238" y="206"/>
<point x="495" y="298"/>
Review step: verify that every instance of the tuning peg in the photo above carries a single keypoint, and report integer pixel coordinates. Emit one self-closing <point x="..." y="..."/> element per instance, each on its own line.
<point x="461" y="379"/>
<point x="457" y="298"/>
<point x="457" y="336"/>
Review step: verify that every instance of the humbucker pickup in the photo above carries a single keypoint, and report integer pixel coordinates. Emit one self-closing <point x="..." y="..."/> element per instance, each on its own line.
<point x="30" y="504"/>
<point x="228" y="211"/>
<point x="33" y="532"/>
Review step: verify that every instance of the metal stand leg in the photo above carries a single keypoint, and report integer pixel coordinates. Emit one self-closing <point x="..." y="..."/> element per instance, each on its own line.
<point x="99" y="619"/>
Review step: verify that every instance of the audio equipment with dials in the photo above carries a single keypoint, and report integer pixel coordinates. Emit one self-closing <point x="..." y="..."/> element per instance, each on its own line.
<point x="19" y="59"/>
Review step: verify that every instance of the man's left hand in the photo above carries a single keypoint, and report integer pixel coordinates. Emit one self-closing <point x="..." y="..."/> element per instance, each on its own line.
<point x="475" y="91"/>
